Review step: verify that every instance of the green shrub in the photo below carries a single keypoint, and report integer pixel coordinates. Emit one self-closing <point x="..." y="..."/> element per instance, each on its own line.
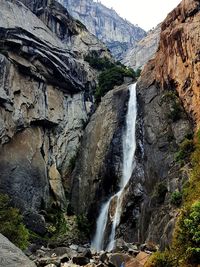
<point x="56" y="223"/>
<point x="98" y="63"/>
<point x="176" y="198"/>
<point x="138" y="73"/>
<point x="111" y="77"/>
<point x="188" y="233"/>
<point x="176" y="112"/>
<point x="161" y="259"/>
<point x="11" y="223"/>
<point x="185" y="150"/>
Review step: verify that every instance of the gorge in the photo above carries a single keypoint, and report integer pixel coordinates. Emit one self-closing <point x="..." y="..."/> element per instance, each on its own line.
<point x="77" y="153"/>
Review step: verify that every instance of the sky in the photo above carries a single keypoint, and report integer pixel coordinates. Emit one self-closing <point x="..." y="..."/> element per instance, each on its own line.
<point x="146" y="13"/>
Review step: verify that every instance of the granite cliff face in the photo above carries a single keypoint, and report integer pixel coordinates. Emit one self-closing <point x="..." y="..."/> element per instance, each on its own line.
<point x="144" y="50"/>
<point x="117" y="33"/>
<point x="177" y="62"/>
<point x="46" y="95"/>
<point x="98" y="166"/>
<point x="168" y="83"/>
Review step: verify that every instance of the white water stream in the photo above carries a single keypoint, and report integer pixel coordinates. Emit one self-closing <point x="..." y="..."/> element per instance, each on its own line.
<point x="129" y="147"/>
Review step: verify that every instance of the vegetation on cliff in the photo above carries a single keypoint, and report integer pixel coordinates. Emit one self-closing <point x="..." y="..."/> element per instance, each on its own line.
<point x="185" y="249"/>
<point x="111" y="74"/>
<point x="11" y="223"/>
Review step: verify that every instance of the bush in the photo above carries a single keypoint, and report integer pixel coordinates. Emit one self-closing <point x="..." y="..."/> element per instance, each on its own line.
<point x="176" y="198"/>
<point x="98" y="63"/>
<point x="160" y="259"/>
<point x="188" y="233"/>
<point x="138" y="73"/>
<point x="11" y="224"/>
<point x="111" y="77"/>
<point x="176" y="112"/>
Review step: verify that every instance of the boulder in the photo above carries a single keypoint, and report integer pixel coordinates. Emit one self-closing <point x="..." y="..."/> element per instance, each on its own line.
<point x="80" y="260"/>
<point x="11" y="256"/>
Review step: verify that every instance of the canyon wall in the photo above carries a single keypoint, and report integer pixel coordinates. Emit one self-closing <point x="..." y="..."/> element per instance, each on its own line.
<point x="46" y="97"/>
<point x="143" y="51"/>
<point x="118" y="34"/>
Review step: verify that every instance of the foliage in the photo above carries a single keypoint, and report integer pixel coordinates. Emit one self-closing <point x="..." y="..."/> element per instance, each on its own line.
<point x="176" y="112"/>
<point x="111" y="77"/>
<point x="176" y="198"/>
<point x="83" y="224"/>
<point x="98" y="63"/>
<point x="57" y="225"/>
<point x="11" y="223"/>
<point x="188" y="233"/>
<point x="138" y="73"/>
<point x="161" y="259"/>
<point x="112" y="73"/>
<point x="185" y="149"/>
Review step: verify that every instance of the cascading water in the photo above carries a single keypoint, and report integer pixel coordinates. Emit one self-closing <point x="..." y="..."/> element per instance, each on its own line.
<point x="129" y="147"/>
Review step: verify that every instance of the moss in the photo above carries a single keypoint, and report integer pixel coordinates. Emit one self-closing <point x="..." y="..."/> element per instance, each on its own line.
<point x="11" y="223"/>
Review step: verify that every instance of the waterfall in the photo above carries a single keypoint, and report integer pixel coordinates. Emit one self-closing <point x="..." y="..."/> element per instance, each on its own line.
<point x="129" y="147"/>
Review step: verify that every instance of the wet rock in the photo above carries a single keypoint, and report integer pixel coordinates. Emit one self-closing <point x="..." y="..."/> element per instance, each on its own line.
<point x="101" y="147"/>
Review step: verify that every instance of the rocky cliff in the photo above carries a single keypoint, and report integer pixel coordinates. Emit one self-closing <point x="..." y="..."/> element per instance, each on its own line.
<point x="168" y="95"/>
<point x="168" y="101"/>
<point x="98" y="166"/>
<point x="143" y="51"/>
<point x="46" y="95"/>
<point x="117" y="33"/>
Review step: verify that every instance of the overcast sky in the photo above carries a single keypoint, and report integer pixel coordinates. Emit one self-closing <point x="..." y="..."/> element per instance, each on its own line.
<point x="146" y="13"/>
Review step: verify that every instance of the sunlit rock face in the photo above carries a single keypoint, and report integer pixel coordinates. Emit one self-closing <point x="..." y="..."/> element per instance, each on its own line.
<point x="177" y="63"/>
<point x="169" y="81"/>
<point x="136" y="57"/>
<point x="117" y="33"/>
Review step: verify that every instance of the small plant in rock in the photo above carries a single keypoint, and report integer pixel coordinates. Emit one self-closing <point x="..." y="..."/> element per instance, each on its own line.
<point x="176" y="198"/>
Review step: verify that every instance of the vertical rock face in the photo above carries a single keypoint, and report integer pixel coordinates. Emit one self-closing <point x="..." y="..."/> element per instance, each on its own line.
<point x="46" y="94"/>
<point x="177" y="61"/>
<point x="169" y="81"/>
<point x="98" y="167"/>
<point x="144" y="50"/>
<point x="117" y="33"/>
